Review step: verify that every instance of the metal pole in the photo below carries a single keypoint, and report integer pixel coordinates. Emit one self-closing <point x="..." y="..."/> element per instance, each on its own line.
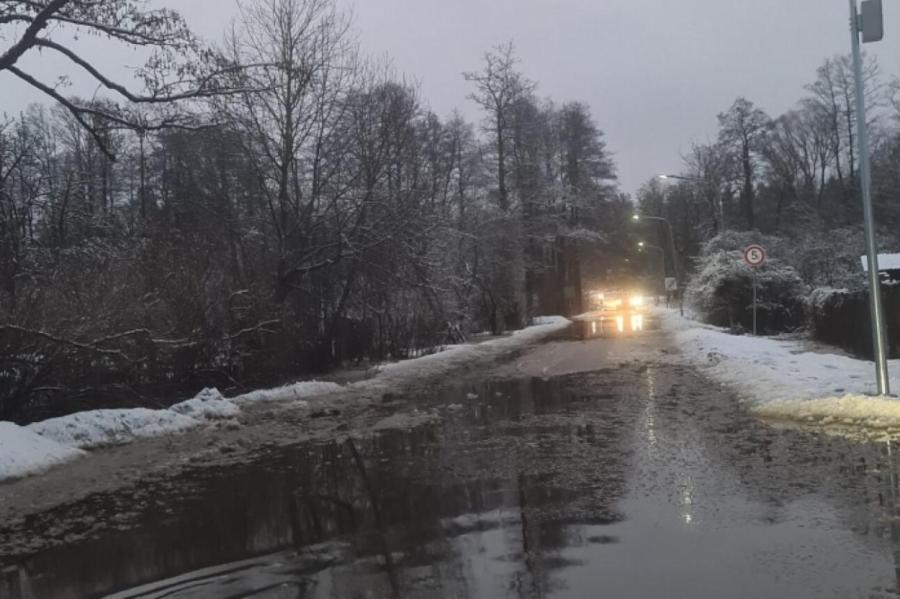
<point x="662" y="254"/>
<point x="754" y="302"/>
<point x="662" y="257"/>
<point x="879" y="337"/>
<point x="672" y="249"/>
<point x="722" y="214"/>
<point x="676" y="267"/>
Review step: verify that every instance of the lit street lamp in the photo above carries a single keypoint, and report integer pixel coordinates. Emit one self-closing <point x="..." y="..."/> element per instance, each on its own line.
<point x="680" y="177"/>
<point x="643" y="245"/>
<point x="640" y="217"/>
<point x="675" y="266"/>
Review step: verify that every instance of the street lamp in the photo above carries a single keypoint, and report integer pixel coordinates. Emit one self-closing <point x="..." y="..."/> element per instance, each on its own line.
<point x="643" y="246"/>
<point x="698" y="180"/>
<point x="638" y="217"/>
<point x="680" y="177"/>
<point x="675" y="265"/>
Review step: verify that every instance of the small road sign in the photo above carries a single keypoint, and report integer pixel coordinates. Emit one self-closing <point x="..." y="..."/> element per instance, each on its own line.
<point x="755" y="255"/>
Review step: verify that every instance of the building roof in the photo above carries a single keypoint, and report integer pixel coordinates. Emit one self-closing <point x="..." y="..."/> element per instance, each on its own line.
<point x="885" y="262"/>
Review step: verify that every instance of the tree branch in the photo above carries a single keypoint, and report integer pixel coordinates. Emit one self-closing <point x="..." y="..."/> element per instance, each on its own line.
<point x="76" y="344"/>
<point x="76" y="111"/>
<point x="11" y="56"/>
<point x="200" y="90"/>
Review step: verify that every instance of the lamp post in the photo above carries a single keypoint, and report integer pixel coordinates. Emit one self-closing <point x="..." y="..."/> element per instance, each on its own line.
<point x="680" y="177"/>
<point x="698" y="180"/>
<point x="671" y="235"/>
<point x="643" y="246"/>
<point x="676" y="270"/>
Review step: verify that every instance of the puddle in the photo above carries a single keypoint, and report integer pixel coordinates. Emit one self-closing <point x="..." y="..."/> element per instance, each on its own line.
<point x="586" y="329"/>
<point x="632" y="482"/>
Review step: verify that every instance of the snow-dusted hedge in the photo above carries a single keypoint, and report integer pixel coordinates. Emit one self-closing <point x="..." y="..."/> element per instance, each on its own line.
<point x="841" y="317"/>
<point x="721" y="291"/>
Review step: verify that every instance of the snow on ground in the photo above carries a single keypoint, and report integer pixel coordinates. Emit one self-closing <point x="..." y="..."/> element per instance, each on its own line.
<point x="31" y="449"/>
<point x="782" y="379"/>
<point x="864" y="411"/>
<point x="456" y="355"/>
<point x="209" y="405"/>
<point x="297" y="391"/>
<point x="100" y="428"/>
<point x="24" y="452"/>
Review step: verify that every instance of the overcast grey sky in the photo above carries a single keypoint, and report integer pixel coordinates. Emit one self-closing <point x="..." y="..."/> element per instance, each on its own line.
<point x="655" y="72"/>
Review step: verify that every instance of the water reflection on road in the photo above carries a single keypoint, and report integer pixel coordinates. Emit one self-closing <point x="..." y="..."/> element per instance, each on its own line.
<point x="634" y="482"/>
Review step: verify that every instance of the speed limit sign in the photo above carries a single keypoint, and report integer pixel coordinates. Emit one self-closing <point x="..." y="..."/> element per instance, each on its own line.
<point x="755" y="255"/>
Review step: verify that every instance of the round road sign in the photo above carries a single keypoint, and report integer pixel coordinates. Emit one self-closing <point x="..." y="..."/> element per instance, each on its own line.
<point x="755" y="255"/>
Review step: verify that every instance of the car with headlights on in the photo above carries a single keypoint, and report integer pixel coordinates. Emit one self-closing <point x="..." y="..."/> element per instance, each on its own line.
<point x="617" y="312"/>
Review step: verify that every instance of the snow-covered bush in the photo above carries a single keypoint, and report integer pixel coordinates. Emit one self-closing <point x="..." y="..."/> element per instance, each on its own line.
<point x="735" y="241"/>
<point x="721" y="289"/>
<point x="832" y="259"/>
<point x="841" y="317"/>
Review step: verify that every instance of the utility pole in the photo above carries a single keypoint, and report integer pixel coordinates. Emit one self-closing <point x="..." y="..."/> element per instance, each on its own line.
<point x="870" y="25"/>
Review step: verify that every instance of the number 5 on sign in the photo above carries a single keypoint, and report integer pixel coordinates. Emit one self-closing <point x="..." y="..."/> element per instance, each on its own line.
<point x="755" y="256"/>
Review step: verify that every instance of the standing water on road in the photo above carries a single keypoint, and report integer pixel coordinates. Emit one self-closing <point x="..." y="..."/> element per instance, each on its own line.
<point x="634" y="482"/>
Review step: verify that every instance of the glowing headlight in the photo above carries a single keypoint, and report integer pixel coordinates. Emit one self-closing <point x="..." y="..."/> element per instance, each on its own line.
<point x="636" y="302"/>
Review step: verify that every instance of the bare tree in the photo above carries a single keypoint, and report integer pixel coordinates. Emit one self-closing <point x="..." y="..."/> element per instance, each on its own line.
<point x="499" y="87"/>
<point x="741" y="132"/>
<point x="833" y="97"/>
<point x="178" y="70"/>
<point x="289" y="103"/>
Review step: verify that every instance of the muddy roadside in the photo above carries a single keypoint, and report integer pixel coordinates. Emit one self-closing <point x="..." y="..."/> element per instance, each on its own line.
<point x="143" y="470"/>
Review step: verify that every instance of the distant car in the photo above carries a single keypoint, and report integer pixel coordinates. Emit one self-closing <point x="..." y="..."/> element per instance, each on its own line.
<point x="617" y="312"/>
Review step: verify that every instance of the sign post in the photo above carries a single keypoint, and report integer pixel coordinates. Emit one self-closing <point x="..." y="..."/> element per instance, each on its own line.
<point x="755" y="257"/>
<point x="869" y="23"/>
<point x="671" y="290"/>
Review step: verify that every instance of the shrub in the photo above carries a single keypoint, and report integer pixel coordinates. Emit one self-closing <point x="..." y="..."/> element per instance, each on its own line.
<point x="841" y="317"/>
<point x="721" y="290"/>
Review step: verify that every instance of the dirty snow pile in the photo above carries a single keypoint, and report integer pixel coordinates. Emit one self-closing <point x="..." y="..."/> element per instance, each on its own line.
<point x="784" y="379"/>
<point x="30" y="449"/>
<point x="864" y="411"/>
<point x="209" y="405"/>
<point x="297" y="391"/>
<point x="456" y="355"/>
<point x="102" y="428"/>
<point x="98" y="428"/>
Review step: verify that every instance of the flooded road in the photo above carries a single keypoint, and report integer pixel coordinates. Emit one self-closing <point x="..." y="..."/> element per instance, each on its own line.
<point x="635" y="480"/>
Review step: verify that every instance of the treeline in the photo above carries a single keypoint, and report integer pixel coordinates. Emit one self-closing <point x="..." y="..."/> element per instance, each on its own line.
<point x="790" y="182"/>
<point x="794" y="176"/>
<point x="312" y="211"/>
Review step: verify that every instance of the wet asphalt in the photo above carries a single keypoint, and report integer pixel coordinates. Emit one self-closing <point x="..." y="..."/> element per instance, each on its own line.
<point x="640" y="479"/>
